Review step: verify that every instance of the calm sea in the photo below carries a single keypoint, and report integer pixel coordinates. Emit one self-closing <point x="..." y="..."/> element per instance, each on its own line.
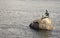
<point x="16" y="15"/>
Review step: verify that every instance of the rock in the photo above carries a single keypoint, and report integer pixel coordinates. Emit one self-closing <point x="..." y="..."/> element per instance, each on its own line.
<point x="34" y="25"/>
<point x="44" y="24"/>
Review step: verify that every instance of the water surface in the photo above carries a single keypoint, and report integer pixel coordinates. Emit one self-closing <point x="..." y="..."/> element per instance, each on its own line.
<point x="16" y="15"/>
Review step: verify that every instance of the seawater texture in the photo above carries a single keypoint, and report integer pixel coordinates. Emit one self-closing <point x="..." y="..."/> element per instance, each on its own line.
<point x="16" y="15"/>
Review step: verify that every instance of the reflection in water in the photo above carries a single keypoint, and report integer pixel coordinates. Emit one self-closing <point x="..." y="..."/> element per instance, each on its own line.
<point x="42" y="34"/>
<point x="45" y="34"/>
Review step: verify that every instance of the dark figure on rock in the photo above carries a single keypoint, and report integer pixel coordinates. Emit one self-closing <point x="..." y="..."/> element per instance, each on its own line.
<point x="43" y="23"/>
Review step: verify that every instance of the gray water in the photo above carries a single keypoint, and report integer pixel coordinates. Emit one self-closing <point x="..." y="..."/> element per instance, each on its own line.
<point x="16" y="15"/>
